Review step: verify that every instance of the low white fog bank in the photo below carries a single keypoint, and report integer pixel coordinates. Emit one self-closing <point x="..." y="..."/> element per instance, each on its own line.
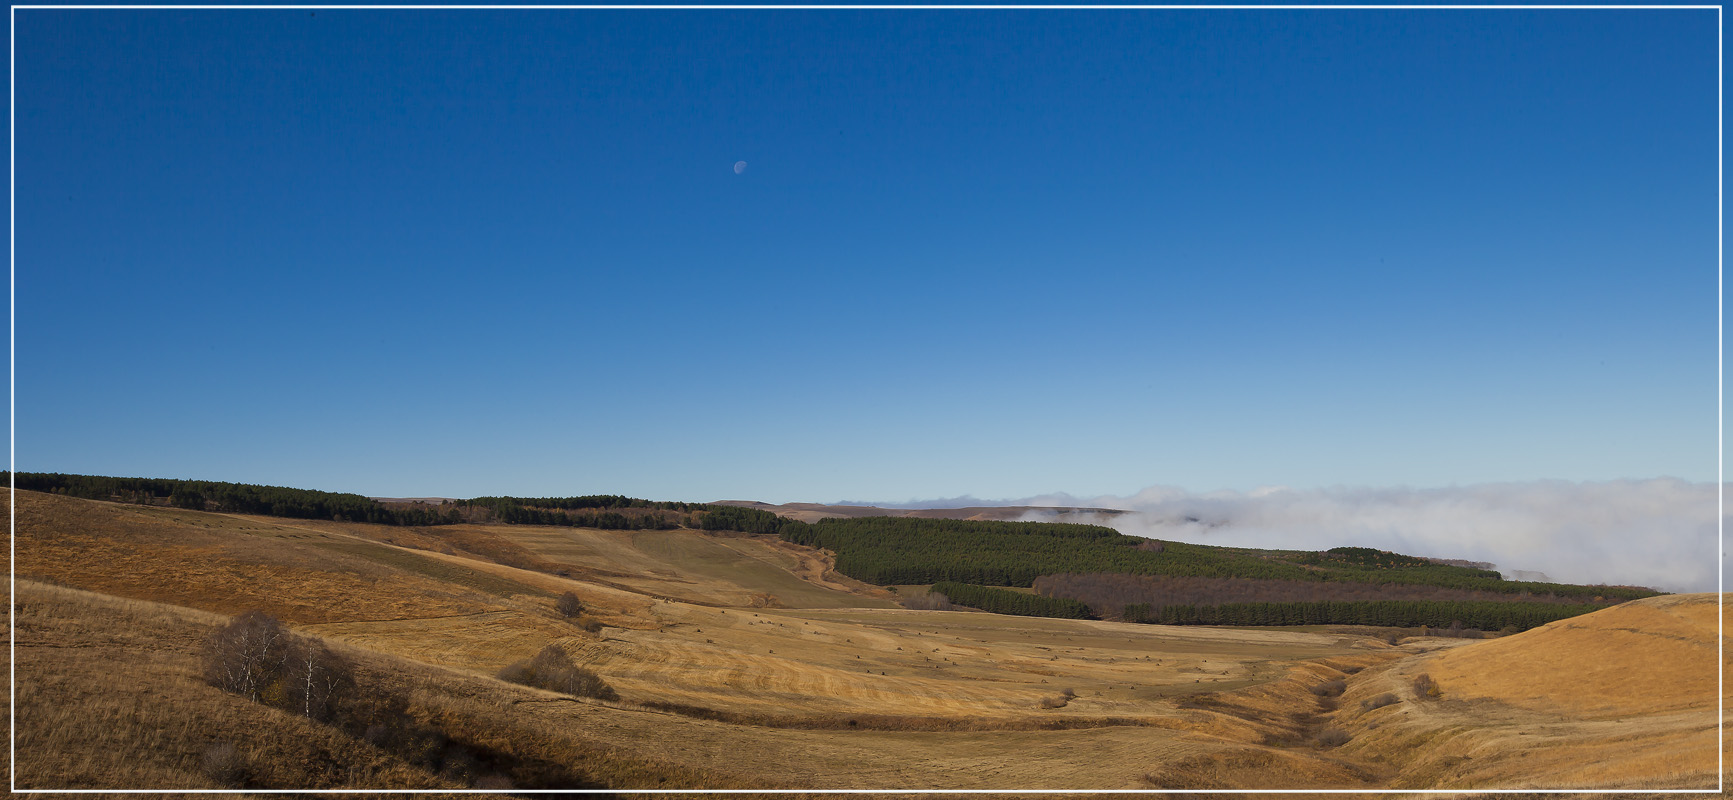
<point x="1659" y="533"/>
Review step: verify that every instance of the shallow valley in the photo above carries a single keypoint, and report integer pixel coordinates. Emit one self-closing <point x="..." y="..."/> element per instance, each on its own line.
<point x="743" y="661"/>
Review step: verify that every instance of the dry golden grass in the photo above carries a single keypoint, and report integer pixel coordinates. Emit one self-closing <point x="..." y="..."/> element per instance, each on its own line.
<point x="1647" y="656"/>
<point x="80" y="727"/>
<point x="222" y="564"/>
<point x="837" y="688"/>
<point x="109" y="696"/>
<point x="1621" y="698"/>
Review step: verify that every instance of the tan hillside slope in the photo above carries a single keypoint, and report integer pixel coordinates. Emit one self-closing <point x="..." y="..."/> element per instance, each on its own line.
<point x="744" y="661"/>
<point x="715" y="690"/>
<point x="1623" y="698"/>
<point x="111" y="695"/>
<point x="1651" y="655"/>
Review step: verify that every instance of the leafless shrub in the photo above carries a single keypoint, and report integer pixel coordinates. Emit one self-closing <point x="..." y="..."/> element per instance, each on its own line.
<point x="256" y="657"/>
<point x="569" y="605"/>
<point x="1057" y="701"/>
<point x="553" y="670"/>
<point x="1327" y="703"/>
<point x="1426" y="688"/>
<point x="224" y="765"/>
<point x="316" y="679"/>
<point x="1068" y="693"/>
<point x="591" y="626"/>
<point x="1352" y="670"/>
<point x="1385" y="699"/>
<point x="1330" y="688"/>
<point x="246" y="656"/>
<point x="927" y="601"/>
<point x="1332" y="737"/>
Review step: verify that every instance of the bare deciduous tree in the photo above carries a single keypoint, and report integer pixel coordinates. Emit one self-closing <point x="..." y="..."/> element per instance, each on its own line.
<point x="315" y="678"/>
<point x="246" y="656"/>
<point x="256" y="657"/>
<point x="928" y="601"/>
<point x="224" y="765"/>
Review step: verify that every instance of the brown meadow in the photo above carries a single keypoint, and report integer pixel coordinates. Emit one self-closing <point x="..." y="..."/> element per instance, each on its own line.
<point x="743" y="662"/>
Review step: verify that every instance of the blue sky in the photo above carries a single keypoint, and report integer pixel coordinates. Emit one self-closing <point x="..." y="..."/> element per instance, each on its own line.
<point x="987" y="253"/>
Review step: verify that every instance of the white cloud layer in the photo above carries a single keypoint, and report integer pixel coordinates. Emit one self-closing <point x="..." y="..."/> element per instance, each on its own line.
<point x="1660" y="533"/>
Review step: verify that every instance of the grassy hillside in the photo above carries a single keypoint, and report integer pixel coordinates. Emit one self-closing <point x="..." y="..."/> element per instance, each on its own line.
<point x="611" y="512"/>
<point x="837" y="697"/>
<point x="876" y="550"/>
<point x="162" y="726"/>
<point x="745" y="661"/>
<point x="1624" y="697"/>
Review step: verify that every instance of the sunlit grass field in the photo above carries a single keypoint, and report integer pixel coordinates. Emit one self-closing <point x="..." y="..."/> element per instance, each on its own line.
<point x="743" y="661"/>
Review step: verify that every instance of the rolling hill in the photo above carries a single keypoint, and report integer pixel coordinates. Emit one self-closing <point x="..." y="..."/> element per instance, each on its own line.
<point x="744" y="660"/>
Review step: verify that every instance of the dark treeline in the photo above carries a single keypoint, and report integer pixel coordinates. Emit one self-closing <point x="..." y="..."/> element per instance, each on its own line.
<point x="611" y="501"/>
<point x="1108" y="593"/>
<point x="611" y="512"/>
<point x="606" y="520"/>
<point x="238" y="498"/>
<point x="1366" y="557"/>
<point x="902" y="550"/>
<point x="736" y="518"/>
<point x="1487" y="616"/>
<point x="1490" y="581"/>
<point x="908" y="550"/>
<point x="1002" y="601"/>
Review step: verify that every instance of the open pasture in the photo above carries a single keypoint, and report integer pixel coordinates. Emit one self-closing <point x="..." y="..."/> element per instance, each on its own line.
<point x="742" y="661"/>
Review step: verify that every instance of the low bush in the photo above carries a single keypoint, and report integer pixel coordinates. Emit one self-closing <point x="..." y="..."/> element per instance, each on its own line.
<point x="1057" y="701"/>
<point x="224" y="765"/>
<point x="927" y="601"/>
<point x="552" y="669"/>
<point x="1330" y="688"/>
<point x="1385" y="699"/>
<point x="569" y="605"/>
<point x="256" y="657"/>
<point x="1332" y="737"/>
<point x="1426" y="688"/>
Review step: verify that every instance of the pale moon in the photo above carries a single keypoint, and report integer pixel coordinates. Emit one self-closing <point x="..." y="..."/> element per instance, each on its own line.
<point x="739" y="167"/>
